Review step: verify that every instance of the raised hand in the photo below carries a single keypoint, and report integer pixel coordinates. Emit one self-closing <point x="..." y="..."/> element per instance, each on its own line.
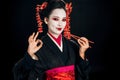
<point x="84" y="45"/>
<point x="34" y="45"/>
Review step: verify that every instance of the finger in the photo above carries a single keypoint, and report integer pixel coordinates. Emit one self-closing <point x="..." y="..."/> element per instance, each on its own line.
<point x="31" y="36"/>
<point x="81" y="42"/>
<point x="85" y="40"/>
<point x="36" y="35"/>
<point x="39" y="43"/>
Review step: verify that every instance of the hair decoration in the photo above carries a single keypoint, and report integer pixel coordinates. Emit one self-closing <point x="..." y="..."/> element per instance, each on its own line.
<point x="67" y="33"/>
<point x="39" y="21"/>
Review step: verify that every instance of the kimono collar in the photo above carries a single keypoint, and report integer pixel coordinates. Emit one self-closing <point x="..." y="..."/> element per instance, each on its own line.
<point x="58" y="39"/>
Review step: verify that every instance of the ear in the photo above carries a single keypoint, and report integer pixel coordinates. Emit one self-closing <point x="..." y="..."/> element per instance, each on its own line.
<point x="46" y="20"/>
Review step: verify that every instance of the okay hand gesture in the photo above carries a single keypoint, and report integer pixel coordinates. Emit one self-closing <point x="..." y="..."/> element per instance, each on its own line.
<point x="34" y="44"/>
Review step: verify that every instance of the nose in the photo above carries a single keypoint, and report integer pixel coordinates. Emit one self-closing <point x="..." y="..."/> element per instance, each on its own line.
<point x="59" y="23"/>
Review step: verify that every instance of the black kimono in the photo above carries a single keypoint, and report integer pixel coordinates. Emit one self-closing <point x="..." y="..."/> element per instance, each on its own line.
<point x="51" y="57"/>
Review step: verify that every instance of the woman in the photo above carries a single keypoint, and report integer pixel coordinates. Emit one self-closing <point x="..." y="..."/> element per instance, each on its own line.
<point x="54" y="57"/>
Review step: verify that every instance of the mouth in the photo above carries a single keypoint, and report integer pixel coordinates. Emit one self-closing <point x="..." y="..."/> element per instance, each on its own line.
<point x="59" y="29"/>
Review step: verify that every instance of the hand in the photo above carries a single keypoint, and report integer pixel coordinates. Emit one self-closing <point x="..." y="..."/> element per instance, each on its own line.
<point x="84" y="45"/>
<point x="34" y="44"/>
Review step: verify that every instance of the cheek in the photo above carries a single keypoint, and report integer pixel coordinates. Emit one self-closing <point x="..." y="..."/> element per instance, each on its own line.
<point x="64" y="24"/>
<point x="53" y="23"/>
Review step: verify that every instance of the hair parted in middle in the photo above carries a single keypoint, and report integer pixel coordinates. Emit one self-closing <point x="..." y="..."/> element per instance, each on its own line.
<point x="45" y="9"/>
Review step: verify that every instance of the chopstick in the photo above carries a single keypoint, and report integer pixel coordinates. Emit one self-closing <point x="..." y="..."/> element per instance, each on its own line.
<point x="77" y="37"/>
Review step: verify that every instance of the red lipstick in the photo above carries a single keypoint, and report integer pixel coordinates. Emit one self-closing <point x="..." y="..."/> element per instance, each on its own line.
<point x="59" y="29"/>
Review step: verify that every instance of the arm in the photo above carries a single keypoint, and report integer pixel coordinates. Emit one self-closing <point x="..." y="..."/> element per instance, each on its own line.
<point x="83" y="67"/>
<point x="24" y="66"/>
<point x="82" y="64"/>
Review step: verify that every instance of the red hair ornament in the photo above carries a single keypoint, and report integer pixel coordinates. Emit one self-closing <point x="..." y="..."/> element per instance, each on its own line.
<point x="67" y="33"/>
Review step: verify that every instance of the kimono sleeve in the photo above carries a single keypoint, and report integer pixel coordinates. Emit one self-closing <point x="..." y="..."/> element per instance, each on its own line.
<point x="82" y="67"/>
<point x="23" y="67"/>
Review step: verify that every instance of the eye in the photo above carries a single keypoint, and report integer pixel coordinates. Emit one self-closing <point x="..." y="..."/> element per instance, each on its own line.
<point x="64" y="20"/>
<point x="55" y="19"/>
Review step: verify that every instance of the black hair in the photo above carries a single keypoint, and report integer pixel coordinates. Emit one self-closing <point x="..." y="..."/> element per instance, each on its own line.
<point x="52" y="4"/>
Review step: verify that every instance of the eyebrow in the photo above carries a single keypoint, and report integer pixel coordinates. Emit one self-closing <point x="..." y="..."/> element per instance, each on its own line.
<point x="58" y="17"/>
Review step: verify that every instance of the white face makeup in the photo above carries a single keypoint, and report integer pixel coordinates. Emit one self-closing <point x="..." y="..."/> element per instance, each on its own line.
<point x="56" y="22"/>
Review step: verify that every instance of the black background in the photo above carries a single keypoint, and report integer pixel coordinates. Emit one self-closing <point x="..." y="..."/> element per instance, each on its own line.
<point x="94" y="19"/>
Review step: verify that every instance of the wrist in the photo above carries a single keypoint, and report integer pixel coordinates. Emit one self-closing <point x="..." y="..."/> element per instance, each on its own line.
<point x="34" y="57"/>
<point x="82" y="55"/>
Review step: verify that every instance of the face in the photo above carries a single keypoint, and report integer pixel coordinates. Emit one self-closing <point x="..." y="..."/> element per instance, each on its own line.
<point x="56" y="22"/>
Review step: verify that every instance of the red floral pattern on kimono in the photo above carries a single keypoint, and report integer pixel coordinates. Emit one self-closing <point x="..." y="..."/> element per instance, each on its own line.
<point x="61" y="73"/>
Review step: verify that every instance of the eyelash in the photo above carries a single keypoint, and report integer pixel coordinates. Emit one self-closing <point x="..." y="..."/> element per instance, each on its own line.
<point x="55" y="19"/>
<point x="64" y="20"/>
